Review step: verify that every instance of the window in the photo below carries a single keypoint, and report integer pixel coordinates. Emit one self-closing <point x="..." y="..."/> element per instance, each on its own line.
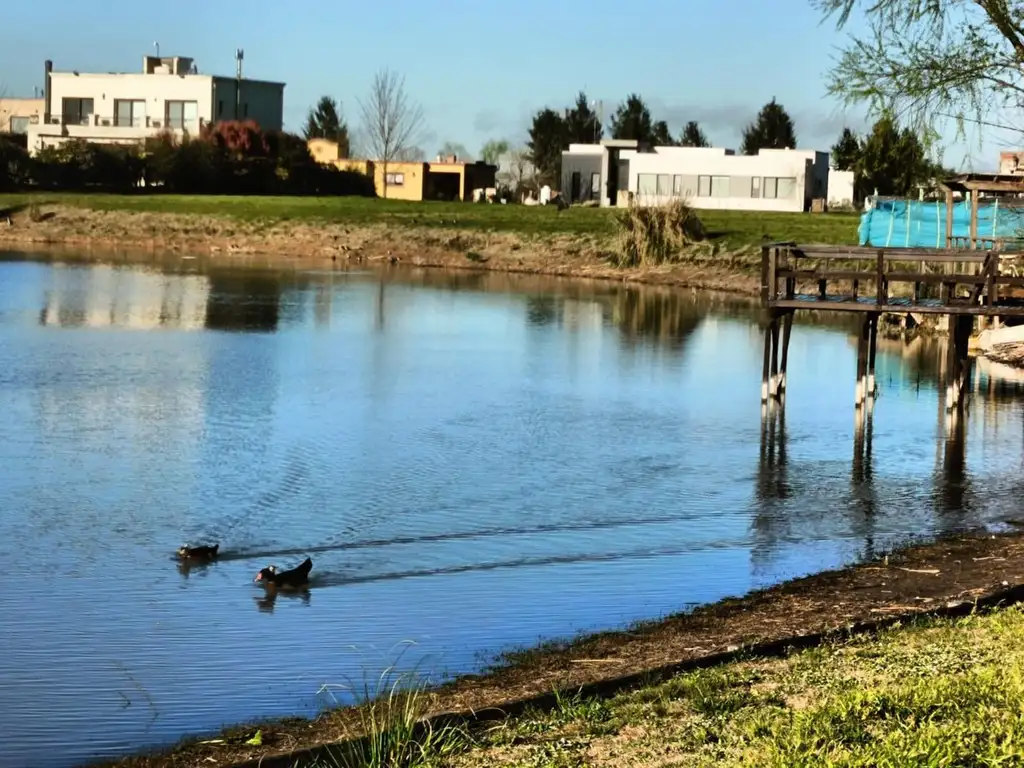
<point x="703" y="186"/>
<point x="182" y="114"/>
<point x="779" y="188"/>
<point x="220" y="108"/>
<point x="76" y="111"/>
<point x="595" y="186"/>
<point x="664" y="185"/>
<point x="20" y="124"/>
<point x="395" y="179"/>
<point x="129" y="112"/>
<point x="677" y="186"/>
<point x="646" y="184"/>
<point x="755" y="186"/>
<point x="720" y="186"/>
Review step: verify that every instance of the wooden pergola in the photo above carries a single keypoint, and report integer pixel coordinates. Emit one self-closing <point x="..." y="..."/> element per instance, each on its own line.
<point x="973" y="184"/>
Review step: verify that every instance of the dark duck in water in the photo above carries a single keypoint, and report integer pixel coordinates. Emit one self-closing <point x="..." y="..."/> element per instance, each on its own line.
<point x="203" y="553"/>
<point x="296" y="577"/>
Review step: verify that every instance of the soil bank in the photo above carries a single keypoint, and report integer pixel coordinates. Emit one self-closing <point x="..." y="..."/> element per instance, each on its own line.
<point x="956" y="571"/>
<point x="310" y="244"/>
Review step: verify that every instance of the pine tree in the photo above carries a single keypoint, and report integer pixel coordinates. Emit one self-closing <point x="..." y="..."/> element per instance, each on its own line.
<point x="773" y="129"/>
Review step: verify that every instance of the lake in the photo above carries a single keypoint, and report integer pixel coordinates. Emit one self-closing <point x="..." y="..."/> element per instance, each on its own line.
<point x="473" y="462"/>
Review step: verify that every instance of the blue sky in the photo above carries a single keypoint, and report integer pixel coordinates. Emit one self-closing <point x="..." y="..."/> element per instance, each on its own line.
<point x="479" y="69"/>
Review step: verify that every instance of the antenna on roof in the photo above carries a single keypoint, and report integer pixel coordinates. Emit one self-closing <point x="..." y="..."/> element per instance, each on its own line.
<point x="157" y="46"/>
<point x="239" y="55"/>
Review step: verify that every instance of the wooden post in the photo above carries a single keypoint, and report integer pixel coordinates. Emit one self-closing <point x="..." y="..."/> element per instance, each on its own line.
<point x="950" y="364"/>
<point x="974" y="218"/>
<point x="764" y="273"/>
<point x="882" y="290"/>
<point x="787" y="329"/>
<point x="965" y="325"/>
<point x="774" y="385"/>
<point x="872" y="352"/>
<point x="862" y="363"/>
<point x="767" y="358"/>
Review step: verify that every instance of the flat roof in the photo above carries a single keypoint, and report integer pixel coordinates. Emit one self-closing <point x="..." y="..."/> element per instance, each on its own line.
<point x="984" y="182"/>
<point x="75" y="73"/>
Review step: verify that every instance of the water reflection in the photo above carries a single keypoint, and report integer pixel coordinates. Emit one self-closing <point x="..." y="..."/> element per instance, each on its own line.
<point x="243" y="301"/>
<point x="266" y="602"/>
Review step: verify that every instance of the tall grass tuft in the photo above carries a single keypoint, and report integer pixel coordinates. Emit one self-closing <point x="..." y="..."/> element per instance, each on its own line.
<point x="394" y="729"/>
<point x="649" y="235"/>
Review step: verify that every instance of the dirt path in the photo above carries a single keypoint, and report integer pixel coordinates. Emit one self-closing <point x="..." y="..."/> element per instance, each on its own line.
<point x="921" y="579"/>
<point x="311" y="244"/>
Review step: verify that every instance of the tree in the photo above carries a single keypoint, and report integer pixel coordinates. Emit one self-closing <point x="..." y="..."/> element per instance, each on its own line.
<point x="493" y="150"/>
<point x="324" y="122"/>
<point x="454" y="148"/>
<point x="930" y="60"/>
<point x="693" y="136"/>
<point x="846" y="151"/>
<point x="549" y="136"/>
<point x="660" y="136"/>
<point x="582" y="125"/>
<point x="391" y="122"/>
<point x="520" y="172"/>
<point x="892" y="160"/>
<point x="773" y="129"/>
<point x="632" y="120"/>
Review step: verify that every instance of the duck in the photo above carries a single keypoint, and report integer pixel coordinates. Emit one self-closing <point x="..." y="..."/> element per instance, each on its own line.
<point x="205" y="552"/>
<point x="296" y="577"/>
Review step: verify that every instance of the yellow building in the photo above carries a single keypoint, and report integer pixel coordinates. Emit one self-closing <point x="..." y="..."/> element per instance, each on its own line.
<point x="17" y="114"/>
<point x="446" y="178"/>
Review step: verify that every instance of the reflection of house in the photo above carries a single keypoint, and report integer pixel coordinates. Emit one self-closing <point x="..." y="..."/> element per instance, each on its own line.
<point x="17" y="114"/>
<point x="614" y="172"/>
<point x="168" y="94"/>
<point x="125" y="298"/>
<point x="446" y="178"/>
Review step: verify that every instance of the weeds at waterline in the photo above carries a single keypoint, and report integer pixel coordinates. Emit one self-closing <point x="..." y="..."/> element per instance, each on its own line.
<point x="651" y="235"/>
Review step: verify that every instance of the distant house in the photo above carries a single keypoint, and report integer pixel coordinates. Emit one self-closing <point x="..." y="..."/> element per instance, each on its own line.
<point x="168" y="94"/>
<point x="17" y="114"/>
<point x="616" y="172"/>
<point x="446" y="178"/>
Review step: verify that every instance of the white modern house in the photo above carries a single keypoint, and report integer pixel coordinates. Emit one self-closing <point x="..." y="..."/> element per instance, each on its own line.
<point x="616" y="172"/>
<point x="168" y="94"/>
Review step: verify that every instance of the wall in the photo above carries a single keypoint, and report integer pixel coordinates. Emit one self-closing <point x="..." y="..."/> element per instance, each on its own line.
<point x="156" y="90"/>
<point x="19" y="108"/>
<point x="840" y="188"/>
<point x="325" y="151"/>
<point x="584" y="159"/>
<point x="412" y="181"/>
<point x="685" y="165"/>
<point x="260" y="101"/>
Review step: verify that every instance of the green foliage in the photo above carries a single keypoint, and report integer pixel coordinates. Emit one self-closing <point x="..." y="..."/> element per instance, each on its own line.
<point x="229" y="158"/>
<point x="846" y="151"/>
<point x="660" y="135"/>
<point x="582" y="125"/>
<point x="632" y="120"/>
<point x="931" y="61"/>
<point x="324" y="121"/>
<point x="693" y="136"/>
<point x="493" y="150"/>
<point x="892" y="160"/>
<point x="772" y="129"/>
<point x="549" y="136"/>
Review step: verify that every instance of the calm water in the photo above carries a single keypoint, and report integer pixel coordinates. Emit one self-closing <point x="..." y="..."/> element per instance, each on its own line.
<point x="472" y="461"/>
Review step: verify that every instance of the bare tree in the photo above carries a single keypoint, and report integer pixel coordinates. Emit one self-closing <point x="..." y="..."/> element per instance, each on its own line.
<point x="392" y="123"/>
<point x="517" y="171"/>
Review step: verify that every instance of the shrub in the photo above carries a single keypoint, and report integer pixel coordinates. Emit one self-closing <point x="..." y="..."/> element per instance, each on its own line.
<point x="655" y="234"/>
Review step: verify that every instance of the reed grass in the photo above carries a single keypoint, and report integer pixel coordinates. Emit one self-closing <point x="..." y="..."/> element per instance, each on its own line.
<point x="651" y="235"/>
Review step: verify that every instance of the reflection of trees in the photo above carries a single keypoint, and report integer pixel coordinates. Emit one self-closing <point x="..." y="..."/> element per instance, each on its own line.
<point x="243" y="301"/>
<point x="666" y="317"/>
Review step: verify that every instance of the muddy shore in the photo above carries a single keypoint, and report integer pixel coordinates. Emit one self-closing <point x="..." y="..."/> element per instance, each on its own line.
<point x="956" y="572"/>
<point x="305" y="244"/>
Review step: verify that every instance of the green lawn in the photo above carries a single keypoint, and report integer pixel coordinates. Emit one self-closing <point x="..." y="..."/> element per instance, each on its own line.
<point x="733" y="229"/>
<point x="940" y="693"/>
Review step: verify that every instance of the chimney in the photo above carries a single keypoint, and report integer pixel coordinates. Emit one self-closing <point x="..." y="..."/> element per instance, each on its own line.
<point x="47" y="95"/>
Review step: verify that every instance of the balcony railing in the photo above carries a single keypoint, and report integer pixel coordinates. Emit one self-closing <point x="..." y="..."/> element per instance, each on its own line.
<point x="112" y="121"/>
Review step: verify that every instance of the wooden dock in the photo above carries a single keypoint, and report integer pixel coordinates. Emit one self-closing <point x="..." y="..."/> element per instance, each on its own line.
<point x="962" y="284"/>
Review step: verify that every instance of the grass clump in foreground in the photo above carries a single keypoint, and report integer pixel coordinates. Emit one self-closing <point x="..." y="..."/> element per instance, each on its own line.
<point x="650" y="235"/>
<point x="937" y="693"/>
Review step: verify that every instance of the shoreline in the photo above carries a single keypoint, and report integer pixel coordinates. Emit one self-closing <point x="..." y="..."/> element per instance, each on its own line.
<point x="952" y="574"/>
<point x="309" y="245"/>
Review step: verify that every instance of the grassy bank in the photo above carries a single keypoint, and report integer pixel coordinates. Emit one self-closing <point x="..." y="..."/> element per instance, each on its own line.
<point x="943" y="692"/>
<point x="689" y="688"/>
<point x="578" y="241"/>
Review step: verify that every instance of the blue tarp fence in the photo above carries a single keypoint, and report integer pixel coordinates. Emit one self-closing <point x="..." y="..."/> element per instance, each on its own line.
<point x="922" y="223"/>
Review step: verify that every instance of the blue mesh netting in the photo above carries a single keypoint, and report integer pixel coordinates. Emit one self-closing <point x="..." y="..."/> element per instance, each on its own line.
<point x="922" y="224"/>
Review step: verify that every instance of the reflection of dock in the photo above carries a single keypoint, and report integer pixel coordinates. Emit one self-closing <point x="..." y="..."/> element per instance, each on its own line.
<point x="107" y="296"/>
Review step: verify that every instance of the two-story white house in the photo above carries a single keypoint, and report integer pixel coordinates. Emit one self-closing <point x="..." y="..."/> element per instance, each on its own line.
<point x="128" y="107"/>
